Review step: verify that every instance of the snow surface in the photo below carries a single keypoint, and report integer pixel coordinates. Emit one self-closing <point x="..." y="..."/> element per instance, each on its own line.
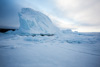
<point x="75" y="50"/>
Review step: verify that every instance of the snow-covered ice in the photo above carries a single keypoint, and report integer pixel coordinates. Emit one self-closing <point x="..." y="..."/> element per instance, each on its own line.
<point x="49" y="51"/>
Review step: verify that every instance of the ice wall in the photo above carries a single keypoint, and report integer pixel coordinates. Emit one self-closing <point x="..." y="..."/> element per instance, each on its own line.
<point x="35" y="22"/>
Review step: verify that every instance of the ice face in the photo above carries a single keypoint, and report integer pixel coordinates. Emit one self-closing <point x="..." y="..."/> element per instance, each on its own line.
<point x="35" y="22"/>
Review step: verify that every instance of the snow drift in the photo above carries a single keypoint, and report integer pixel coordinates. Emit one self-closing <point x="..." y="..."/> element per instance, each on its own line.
<point x="34" y="22"/>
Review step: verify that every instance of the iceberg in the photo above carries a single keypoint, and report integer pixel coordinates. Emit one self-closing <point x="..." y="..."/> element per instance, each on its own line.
<point x="35" y="22"/>
<point x="67" y="31"/>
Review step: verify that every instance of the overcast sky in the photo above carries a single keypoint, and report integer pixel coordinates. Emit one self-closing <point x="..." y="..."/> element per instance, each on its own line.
<point x="80" y="15"/>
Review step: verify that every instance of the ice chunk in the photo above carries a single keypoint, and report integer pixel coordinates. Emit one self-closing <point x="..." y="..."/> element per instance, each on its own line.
<point x="34" y="22"/>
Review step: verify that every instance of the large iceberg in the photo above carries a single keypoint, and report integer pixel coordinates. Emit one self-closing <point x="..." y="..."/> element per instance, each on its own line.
<point x="34" y="22"/>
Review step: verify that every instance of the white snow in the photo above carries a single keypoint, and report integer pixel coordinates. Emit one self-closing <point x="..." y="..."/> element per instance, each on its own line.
<point x="50" y="51"/>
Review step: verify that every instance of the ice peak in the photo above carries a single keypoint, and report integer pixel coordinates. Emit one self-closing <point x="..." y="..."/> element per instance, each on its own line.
<point x="35" y="22"/>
